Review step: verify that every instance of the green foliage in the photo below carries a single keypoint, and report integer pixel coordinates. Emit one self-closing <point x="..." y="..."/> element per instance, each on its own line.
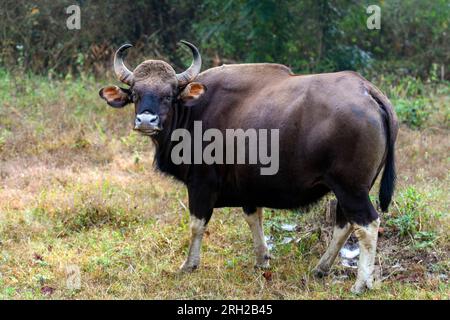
<point x="415" y="101"/>
<point x="411" y="216"/>
<point x="4" y="134"/>
<point x="307" y="35"/>
<point x="414" y="113"/>
<point x="410" y="204"/>
<point x="416" y="31"/>
<point x="425" y="239"/>
<point x="34" y="35"/>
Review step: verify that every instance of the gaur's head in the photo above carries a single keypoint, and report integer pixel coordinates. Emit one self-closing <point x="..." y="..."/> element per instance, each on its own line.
<point x="154" y="88"/>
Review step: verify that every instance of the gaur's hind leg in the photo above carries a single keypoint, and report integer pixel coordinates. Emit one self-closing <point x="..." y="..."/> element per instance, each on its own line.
<point x="254" y="218"/>
<point x="367" y="236"/>
<point x="341" y="232"/>
<point x="360" y="212"/>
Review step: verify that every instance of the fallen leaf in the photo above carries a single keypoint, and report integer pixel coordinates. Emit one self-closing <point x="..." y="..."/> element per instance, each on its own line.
<point x="267" y="275"/>
<point x="47" y="290"/>
<point x="38" y="257"/>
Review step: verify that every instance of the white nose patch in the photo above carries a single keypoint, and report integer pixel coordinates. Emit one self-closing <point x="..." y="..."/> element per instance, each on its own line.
<point x="146" y="121"/>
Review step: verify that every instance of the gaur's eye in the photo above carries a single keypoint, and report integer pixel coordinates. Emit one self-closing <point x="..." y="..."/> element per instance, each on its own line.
<point x="168" y="98"/>
<point x="134" y="97"/>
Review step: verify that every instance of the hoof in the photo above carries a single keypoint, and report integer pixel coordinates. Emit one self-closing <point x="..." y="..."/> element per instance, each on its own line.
<point x="358" y="289"/>
<point x="361" y="286"/>
<point x="264" y="264"/>
<point x="319" y="272"/>
<point x="188" y="268"/>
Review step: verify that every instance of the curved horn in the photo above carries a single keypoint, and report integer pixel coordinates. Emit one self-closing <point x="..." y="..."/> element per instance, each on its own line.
<point x="187" y="76"/>
<point x="122" y="72"/>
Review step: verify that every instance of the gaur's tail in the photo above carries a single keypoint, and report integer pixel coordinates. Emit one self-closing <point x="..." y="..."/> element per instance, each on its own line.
<point x="388" y="178"/>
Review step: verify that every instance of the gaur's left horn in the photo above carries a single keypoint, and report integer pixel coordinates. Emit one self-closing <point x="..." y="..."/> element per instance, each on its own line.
<point x="122" y="72"/>
<point x="190" y="74"/>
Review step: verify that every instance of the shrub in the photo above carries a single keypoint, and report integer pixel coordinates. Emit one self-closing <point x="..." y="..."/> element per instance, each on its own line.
<point x="411" y="216"/>
<point x="413" y="113"/>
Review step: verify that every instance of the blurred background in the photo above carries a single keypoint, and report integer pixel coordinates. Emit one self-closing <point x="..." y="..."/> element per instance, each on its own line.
<point x="78" y="190"/>
<point x="308" y="35"/>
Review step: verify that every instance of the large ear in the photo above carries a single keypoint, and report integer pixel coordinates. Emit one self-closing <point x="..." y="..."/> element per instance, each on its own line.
<point x="193" y="91"/>
<point x="116" y="97"/>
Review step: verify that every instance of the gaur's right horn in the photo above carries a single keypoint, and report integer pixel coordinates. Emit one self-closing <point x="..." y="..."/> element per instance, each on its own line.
<point x="122" y="72"/>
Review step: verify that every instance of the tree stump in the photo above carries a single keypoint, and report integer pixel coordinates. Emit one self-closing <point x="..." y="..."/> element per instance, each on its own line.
<point x="330" y="214"/>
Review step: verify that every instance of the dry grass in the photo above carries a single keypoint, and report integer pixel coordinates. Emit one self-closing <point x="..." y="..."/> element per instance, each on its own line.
<point x="77" y="188"/>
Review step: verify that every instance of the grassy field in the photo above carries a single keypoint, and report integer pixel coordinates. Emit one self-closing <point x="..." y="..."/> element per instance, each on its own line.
<point x="78" y="190"/>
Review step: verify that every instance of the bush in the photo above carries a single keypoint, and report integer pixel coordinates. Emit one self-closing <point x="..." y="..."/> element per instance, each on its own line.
<point x="413" y="113"/>
<point x="409" y="205"/>
<point x="309" y="36"/>
<point x="411" y="216"/>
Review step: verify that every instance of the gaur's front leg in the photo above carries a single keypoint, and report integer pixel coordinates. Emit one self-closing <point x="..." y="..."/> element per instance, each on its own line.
<point x="198" y="227"/>
<point x="201" y="208"/>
